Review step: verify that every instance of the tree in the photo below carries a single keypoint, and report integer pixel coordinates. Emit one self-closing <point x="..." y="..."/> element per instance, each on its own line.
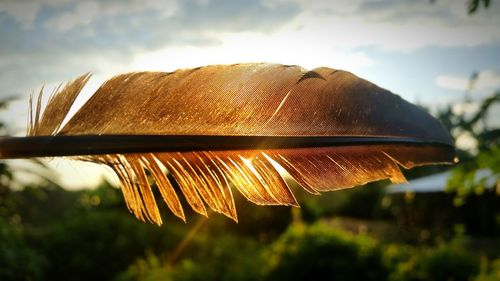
<point x="480" y="165"/>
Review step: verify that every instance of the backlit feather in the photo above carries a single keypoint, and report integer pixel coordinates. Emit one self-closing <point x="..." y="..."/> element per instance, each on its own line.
<point x="226" y="128"/>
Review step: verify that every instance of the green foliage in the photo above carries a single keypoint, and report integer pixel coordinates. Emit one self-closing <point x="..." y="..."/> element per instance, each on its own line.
<point x="96" y="238"/>
<point x="319" y="251"/>
<point x="94" y="245"/>
<point x="475" y="4"/>
<point x="466" y="178"/>
<point x="83" y="235"/>
<point x="223" y="258"/>
<point x="490" y="271"/>
<point x="149" y="268"/>
<point x="6" y="175"/>
<point x="359" y="202"/>
<point x="322" y="252"/>
<point x="446" y="261"/>
<point x="265" y="222"/>
<point x="18" y="261"/>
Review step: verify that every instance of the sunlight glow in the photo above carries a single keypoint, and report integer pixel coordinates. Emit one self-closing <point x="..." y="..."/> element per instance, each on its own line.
<point x="252" y="47"/>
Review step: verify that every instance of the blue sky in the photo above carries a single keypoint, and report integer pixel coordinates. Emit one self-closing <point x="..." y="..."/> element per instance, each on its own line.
<point x="423" y="51"/>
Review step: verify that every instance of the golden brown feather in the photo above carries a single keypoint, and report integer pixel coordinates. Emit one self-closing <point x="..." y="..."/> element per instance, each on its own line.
<point x="350" y="132"/>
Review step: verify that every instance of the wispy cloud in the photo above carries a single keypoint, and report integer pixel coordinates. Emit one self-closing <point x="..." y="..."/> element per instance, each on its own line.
<point x="93" y="13"/>
<point x="457" y="83"/>
<point x="24" y="13"/>
<point x="486" y="80"/>
<point x="399" y="25"/>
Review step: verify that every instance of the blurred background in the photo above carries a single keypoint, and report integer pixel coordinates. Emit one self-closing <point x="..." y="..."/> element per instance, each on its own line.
<point x="63" y="220"/>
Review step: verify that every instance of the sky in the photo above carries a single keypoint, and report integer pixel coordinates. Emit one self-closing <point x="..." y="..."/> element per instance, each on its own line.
<point x="424" y="51"/>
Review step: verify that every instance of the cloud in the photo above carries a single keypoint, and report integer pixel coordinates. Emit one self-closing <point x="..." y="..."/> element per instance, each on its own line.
<point x="387" y="24"/>
<point x="482" y="85"/>
<point x="173" y="15"/>
<point x="457" y="83"/>
<point x="138" y="25"/>
<point x="401" y="25"/>
<point x="26" y="12"/>
<point x="90" y="13"/>
<point x="82" y="36"/>
<point x="83" y="14"/>
<point x="487" y="80"/>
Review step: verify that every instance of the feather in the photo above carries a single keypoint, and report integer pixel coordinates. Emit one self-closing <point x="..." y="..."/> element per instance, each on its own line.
<point x="221" y="128"/>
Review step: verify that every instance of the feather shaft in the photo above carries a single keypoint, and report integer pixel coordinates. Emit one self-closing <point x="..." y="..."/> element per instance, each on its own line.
<point x="50" y="146"/>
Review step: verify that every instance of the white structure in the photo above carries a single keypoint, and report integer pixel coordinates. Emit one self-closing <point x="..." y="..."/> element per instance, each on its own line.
<point x="437" y="182"/>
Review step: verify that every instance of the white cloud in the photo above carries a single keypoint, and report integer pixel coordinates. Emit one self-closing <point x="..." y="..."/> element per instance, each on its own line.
<point x="487" y="80"/>
<point x="399" y="25"/>
<point x="458" y="83"/>
<point x="388" y="24"/>
<point x="83" y="14"/>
